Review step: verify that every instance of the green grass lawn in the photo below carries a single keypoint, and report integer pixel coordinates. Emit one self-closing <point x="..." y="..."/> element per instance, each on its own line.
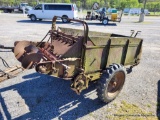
<point x="154" y="13"/>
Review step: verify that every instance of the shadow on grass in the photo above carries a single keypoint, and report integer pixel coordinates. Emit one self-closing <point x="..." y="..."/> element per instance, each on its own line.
<point x="51" y="98"/>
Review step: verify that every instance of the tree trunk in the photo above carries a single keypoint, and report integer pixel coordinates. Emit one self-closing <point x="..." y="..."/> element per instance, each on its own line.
<point x="141" y="17"/>
<point x="73" y="1"/>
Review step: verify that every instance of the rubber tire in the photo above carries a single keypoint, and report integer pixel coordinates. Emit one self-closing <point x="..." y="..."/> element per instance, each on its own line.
<point x="64" y="20"/>
<point x="33" y="18"/>
<point x="105" y="79"/>
<point x="105" y="21"/>
<point x="5" y="11"/>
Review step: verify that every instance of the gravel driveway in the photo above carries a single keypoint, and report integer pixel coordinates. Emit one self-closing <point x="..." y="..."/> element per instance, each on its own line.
<point x="35" y="96"/>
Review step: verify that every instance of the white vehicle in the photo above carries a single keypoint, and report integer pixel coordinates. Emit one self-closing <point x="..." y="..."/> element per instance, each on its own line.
<point x="49" y="10"/>
<point x="138" y="11"/>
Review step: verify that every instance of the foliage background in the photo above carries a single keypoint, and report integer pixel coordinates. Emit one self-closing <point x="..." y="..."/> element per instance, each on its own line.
<point x="152" y="5"/>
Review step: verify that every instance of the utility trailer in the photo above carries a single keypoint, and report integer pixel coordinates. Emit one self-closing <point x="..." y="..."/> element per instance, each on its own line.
<point x="102" y="15"/>
<point x="82" y="57"/>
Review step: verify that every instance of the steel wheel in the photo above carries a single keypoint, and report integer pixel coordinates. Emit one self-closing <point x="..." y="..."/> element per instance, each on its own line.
<point x="111" y="83"/>
<point x="115" y="84"/>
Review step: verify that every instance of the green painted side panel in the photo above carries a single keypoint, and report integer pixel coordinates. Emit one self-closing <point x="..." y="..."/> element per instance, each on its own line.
<point x="107" y="50"/>
<point x="134" y="41"/>
<point x="131" y="55"/>
<point x="103" y="49"/>
<point x="134" y="51"/>
<point x="118" y="41"/>
<point x="95" y="59"/>
<point x="116" y="51"/>
<point x="78" y="32"/>
<point x="102" y="40"/>
<point x="115" y="55"/>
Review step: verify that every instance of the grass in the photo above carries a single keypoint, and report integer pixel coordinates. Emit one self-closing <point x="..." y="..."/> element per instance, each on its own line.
<point x="148" y="105"/>
<point x="154" y="13"/>
<point x="115" y="105"/>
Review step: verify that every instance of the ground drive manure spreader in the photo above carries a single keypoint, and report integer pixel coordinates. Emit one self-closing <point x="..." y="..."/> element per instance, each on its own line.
<point x="80" y="56"/>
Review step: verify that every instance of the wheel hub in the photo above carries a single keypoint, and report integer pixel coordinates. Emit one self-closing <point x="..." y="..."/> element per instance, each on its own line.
<point x="115" y="84"/>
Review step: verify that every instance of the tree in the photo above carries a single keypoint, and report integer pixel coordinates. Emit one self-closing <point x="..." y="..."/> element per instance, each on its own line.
<point x="152" y="5"/>
<point x="140" y="1"/>
<point x="112" y="3"/>
<point x="67" y="1"/>
<point x="134" y="3"/>
<point x="102" y="3"/>
<point x="79" y="4"/>
<point x="123" y="4"/>
<point x="140" y="5"/>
